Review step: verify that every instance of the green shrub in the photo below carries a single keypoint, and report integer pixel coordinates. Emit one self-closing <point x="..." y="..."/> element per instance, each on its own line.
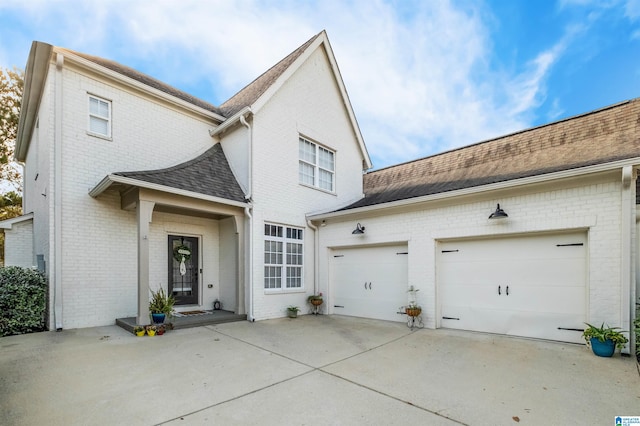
<point x="23" y="294"/>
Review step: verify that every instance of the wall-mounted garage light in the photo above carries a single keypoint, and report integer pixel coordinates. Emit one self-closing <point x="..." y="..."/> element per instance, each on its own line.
<point x="359" y="229"/>
<point x="498" y="214"/>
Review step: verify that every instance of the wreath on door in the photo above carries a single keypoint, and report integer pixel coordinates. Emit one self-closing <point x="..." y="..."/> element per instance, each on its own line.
<point x="181" y="254"/>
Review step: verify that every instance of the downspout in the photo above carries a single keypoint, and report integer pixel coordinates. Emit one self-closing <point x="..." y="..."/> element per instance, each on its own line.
<point x="248" y="211"/>
<point x="316" y="257"/>
<point x="244" y="122"/>
<point x="57" y="197"/>
<point x="627" y="266"/>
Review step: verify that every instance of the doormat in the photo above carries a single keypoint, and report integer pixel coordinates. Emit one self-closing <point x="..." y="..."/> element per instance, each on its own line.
<point x="187" y="313"/>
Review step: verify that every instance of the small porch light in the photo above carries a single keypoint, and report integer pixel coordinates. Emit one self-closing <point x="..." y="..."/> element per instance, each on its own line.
<point x="498" y="214"/>
<point x="359" y="229"/>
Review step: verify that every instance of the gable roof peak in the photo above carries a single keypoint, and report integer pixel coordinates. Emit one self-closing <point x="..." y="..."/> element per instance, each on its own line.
<point x="252" y="91"/>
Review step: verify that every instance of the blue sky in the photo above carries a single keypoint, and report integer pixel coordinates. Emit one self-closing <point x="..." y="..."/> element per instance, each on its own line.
<point x="422" y="76"/>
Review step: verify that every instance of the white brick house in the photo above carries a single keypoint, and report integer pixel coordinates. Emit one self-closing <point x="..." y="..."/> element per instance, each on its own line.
<point x="265" y="190"/>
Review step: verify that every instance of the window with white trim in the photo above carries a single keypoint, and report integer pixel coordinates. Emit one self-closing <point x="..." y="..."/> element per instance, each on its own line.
<point x="316" y="165"/>
<point x="99" y="116"/>
<point x="283" y="257"/>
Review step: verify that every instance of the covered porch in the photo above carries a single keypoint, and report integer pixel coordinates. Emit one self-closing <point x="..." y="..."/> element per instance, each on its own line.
<point x="190" y="222"/>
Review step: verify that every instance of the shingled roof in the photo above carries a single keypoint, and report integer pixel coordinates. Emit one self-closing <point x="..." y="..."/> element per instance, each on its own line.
<point x="251" y="92"/>
<point x="601" y="136"/>
<point x="207" y="174"/>
<point x="245" y="97"/>
<point x="145" y="79"/>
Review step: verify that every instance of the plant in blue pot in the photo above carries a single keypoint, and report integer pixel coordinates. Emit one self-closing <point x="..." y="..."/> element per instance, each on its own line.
<point x="604" y="339"/>
<point x="161" y="305"/>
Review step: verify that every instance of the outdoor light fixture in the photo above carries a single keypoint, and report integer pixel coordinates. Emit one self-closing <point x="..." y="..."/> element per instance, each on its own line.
<point x="359" y="229"/>
<point x="498" y="214"/>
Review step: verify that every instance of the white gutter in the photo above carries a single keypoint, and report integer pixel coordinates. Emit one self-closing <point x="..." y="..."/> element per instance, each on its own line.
<point x="244" y="122"/>
<point x="316" y="257"/>
<point x="627" y="266"/>
<point x="564" y="174"/>
<point x="247" y="211"/>
<point x="248" y="195"/>
<point x="57" y="197"/>
<point x="229" y="122"/>
<point x="105" y="183"/>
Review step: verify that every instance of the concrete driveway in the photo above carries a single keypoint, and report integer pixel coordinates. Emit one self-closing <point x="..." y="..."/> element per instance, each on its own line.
<point x="324" y="370"/>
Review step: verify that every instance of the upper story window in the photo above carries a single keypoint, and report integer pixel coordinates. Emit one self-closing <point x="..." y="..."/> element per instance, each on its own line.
<point x="316" y="165"/>
<point x="283" y="258"/>
<point x="99" y="116"/>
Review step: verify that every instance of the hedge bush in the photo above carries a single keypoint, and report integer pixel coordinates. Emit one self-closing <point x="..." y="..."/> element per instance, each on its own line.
<point x="23" y="294"/>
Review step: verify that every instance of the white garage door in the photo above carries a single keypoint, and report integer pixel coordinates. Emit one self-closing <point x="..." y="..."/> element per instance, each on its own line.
<point x="532" y="286"/>
<point x="370" y="282"/>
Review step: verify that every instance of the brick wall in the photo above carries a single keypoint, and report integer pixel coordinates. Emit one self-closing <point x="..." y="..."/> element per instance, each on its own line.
<point x="19" y="245"/>
<point x="99" y="239"/>
<point x="308" y="104"/>
<point x="590" y="205"/>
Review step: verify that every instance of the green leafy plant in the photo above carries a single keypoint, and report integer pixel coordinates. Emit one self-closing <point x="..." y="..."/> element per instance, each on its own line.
<point x="23" y="294"/>
<point x="315" y="299"/>
<point x="604" y="333"/>
<point x="293" y="308"/>
<point x="161" y="302"/>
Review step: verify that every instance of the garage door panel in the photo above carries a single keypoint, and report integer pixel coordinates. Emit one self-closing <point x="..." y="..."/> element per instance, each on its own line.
<point x="470" y="295"/>
<point x="547" y="299"/>
<point x="545" y="276"/>
<point x="370" y="282"/>
<point x="553" y="326"/>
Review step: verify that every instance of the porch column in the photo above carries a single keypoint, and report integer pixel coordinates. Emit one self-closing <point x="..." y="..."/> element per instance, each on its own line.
<point x="241" y="265"/>
<point x="144" y="212"/>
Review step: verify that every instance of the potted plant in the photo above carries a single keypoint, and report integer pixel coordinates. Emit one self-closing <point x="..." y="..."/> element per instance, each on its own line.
<point x="161" y="305"/>
<point x="292" y="311"/>
<point x="604" y="340"/>
<point x="413" y="309"/>
<point x="315" y="299"/>
<point x="138" y="330"/>
<point x="160" y="329"/>
<point x="151" y="330"/>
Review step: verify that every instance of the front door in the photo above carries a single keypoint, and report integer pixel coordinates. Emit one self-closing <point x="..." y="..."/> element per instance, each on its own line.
<point x="183" y="269"/>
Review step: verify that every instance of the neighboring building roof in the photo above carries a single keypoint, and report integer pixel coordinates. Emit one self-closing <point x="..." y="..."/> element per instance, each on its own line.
<point x="8" y="223"/>
<point x="251" y="92"/>
<point x="207" y="174"/>
<point x="597" y="137"/>
<point x="144" y="79"/>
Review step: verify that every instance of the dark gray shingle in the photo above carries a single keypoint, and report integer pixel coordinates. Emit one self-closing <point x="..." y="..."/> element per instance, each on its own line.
<point x="208" y="174"/>
<point x="602" y="136"/>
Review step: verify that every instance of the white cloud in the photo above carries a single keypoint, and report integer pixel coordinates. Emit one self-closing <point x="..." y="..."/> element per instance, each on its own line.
<point x="632" y="9"/>
<point x="421" y="75"/>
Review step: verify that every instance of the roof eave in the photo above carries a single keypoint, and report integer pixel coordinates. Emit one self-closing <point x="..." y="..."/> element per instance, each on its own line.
<point x="229" y="122"/>
<point x="110" y="179"/>
<point x="564" y="174"/>
<point x="321" y="40"/>
<point x="128" y="81"/>
<point x="8" y="223"/>
<point x="34" y="81"/>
